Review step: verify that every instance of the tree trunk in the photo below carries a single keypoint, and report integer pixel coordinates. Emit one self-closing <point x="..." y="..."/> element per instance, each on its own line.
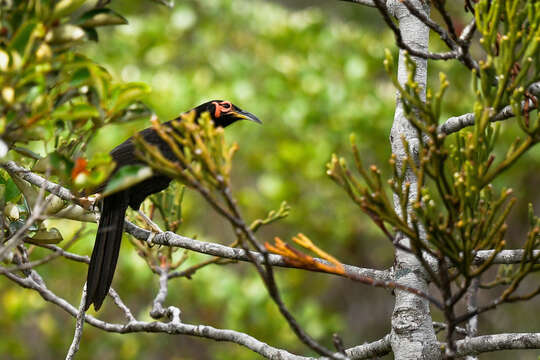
<point x="412" y="336"/>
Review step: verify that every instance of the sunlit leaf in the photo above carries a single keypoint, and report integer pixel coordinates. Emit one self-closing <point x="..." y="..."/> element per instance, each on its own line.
<point x="101" y="17"/>
<point x="75" y="112"/>
<point x="65" y="34"/>
<point x="65" y="7"/>
<point x="44" y="236"/>
<point x="126" y="177"/>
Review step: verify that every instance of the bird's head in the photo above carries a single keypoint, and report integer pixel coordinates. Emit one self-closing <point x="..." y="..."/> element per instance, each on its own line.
<point x="224" y="113"/>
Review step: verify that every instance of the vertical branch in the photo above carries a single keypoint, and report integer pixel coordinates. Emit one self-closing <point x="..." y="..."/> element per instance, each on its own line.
<point x="413" y="336"/>
<point x="472" y="324"/>
<point x="74" y="347"/>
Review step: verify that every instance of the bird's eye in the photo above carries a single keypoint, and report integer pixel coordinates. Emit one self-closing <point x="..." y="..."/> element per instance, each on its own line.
<point x="225" y="106"/>
<point x="220" y="108"/>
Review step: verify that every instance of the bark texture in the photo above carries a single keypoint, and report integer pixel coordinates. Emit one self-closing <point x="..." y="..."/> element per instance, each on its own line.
<point x="412" y="336"/>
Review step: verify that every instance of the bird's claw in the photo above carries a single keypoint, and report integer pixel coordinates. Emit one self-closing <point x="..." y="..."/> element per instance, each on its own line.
<point x="150" y="239"/>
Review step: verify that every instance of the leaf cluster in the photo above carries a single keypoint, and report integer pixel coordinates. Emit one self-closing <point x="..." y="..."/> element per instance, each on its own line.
<point x="441" y="194"/>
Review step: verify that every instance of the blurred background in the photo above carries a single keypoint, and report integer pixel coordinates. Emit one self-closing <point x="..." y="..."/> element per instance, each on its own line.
<point x="313" y="72"/>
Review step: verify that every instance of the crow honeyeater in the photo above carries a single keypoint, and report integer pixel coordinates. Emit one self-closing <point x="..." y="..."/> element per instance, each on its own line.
<point x="114" y="206"/>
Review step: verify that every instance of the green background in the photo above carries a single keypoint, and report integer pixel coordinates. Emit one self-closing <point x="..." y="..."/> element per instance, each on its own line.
<point x="313" y="75"/>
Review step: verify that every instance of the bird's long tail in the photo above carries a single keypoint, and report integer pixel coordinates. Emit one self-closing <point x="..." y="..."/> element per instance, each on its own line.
<point x="106" y="249"/>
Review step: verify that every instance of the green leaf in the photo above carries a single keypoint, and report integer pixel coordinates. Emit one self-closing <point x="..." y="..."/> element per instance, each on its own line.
<point x="135" y="111"/>
<point x="65" y="34"/>
<point x="80" y="77"/>
<point x="65" y="7"/>
<point x="128" y="93"/>
<point x="127" y="176"/>
<point x="91" y="33"/>
<point x="55" y="162"/>
<point x="101" y="17"/>
<point x="22" y="36"/>
<point x="44" y="236"/>
<point x="73" y="112"/>
<point x="12" y="191"/>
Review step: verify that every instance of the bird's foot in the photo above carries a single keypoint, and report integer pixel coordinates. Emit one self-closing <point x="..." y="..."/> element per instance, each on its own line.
<point x="153" y="226"/>
<point x="150" y="239"/>
<point x="154" y="229"/>
<point x="89" y="202"/>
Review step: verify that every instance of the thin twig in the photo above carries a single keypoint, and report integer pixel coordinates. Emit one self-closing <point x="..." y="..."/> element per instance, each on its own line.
<point x="79" y="324"/>
<point x="361" y="2"/>
<point x="118" y="301"/>
<point x="18" y="237"/>
<point x="57" y="252"/>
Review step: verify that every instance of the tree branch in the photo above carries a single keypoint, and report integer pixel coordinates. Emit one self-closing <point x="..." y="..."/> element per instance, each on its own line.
<point x="35" y="283"/>
<point x="370" y="350"/>
<point x="361" y="2"/>
<point x="168" y="238"/>
<point x="456" y="123"/>
<point x="488" y="343"/>
<point x="503" y="257"/>
<point x="79" y="324"/>
<point x="172" y="239"/>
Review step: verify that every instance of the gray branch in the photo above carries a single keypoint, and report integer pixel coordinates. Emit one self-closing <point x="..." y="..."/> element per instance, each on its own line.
<point x="362" y="2"/>
<point x="78" y="327"/>
<point x="118" y="301"/>
<point x="168" y="238"/>
<point x="456" y="123"/>
<point x="504" y="257"/>
<point x="172" y="239"/>
<point x="158" y="310"/>
<point x="488" y="343"/>
<point x="35" y="283"/>
<point x="371" y="350"/>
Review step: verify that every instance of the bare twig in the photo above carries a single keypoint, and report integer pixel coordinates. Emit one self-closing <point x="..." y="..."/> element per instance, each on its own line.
<point x="503" y="257"/>
<point x="371" y="350"/>
<point x="74" y="347"/>
<point x="37" y="180"/>
<point x="158" y="311"/>
<point x="58" y="251"/>
<point x="68" y="255"/>
<point x="423" y="54"/>
<point x="18" y="237"/>
<point x="361" y="2"/>
<point x="457" y="123"/>
<point x="118" y="301"/>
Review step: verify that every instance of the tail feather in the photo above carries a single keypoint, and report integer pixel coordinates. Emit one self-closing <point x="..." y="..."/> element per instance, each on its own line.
<point x="106" y="249"/>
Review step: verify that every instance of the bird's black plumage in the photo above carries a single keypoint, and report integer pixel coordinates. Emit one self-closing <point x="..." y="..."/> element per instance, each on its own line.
<point x="113" y="207"/>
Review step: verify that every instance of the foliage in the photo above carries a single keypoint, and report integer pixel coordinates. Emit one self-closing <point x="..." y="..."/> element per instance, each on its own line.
<point x="279" y="63"/>
<point x="51" y="90"/>
<point x="454" y="211"/>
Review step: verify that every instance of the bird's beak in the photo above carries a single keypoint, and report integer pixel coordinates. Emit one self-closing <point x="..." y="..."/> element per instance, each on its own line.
<point x="244" y="115"/>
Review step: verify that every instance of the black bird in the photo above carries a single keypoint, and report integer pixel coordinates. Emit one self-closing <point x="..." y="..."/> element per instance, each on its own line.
<point x="114" y="206"/>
